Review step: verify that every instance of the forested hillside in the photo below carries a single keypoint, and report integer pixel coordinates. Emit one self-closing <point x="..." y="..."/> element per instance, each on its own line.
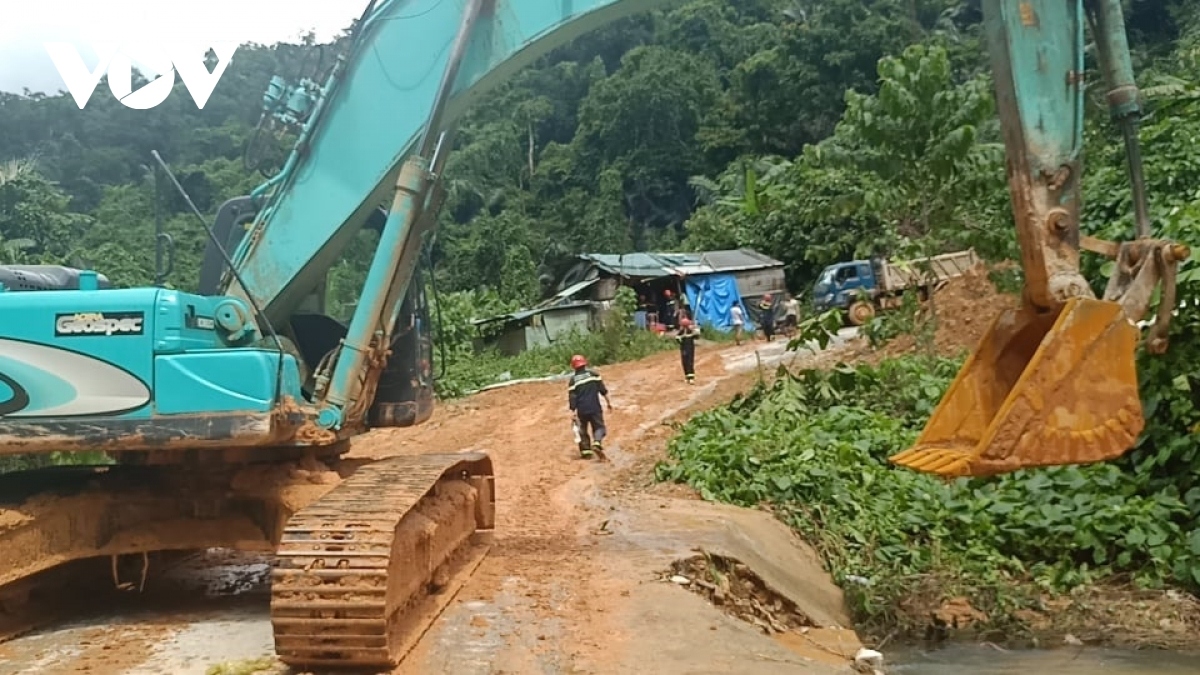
<point x="809" y="130"/>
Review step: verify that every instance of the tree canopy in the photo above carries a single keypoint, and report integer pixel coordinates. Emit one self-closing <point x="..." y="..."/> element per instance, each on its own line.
<point x="812" y="131"/>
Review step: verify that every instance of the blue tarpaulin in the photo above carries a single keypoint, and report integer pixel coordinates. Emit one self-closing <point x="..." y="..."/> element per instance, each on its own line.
<point x="711" y="296"/>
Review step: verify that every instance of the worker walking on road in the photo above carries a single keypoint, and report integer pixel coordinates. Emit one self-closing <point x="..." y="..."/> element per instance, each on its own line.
<point x="791" y="315"/>
<point x="686" y="337"/>
<point x="583" y="395"/>
<point x="766" y="317"/>
<point x="739" y="320"/>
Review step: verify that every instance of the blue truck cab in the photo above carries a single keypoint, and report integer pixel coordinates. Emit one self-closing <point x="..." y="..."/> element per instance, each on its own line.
<point x="840" y="285"/>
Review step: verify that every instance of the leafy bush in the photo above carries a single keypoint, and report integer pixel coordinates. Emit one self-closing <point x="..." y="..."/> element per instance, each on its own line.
<point x="814" y="446"/>
<point x="28" y="462"/>
<point x="1167" y="457"/>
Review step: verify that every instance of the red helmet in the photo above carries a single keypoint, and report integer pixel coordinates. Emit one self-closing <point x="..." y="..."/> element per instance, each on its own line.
<point x="578" y="361"/>
<point x="686" y="323"/>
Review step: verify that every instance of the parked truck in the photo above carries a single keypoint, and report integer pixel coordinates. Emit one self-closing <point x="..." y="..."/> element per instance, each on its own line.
<point x="861" y="287"/>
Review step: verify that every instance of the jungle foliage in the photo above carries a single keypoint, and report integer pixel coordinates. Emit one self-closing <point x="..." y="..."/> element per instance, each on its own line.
<point x="813" y="445"/>
<point x="768" y="123"/>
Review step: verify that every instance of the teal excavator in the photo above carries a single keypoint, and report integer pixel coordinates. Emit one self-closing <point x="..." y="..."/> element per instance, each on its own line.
<point x="226" y="412"/>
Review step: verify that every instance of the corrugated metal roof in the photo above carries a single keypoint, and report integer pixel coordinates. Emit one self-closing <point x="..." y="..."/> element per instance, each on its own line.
<point x="630" y="265"/>
<point x="743" y="259"/>
<point x="523" y="314"/>
<point x="568" y="292"/>
<point x="674" y="264"/>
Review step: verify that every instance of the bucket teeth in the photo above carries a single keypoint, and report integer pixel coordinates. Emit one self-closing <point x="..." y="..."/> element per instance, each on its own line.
<point x="942" y="461"/>
<point x="1039" y="390"/>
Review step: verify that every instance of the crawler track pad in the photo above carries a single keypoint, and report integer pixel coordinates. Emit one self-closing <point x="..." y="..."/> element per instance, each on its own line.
<point x="362" y="572"/>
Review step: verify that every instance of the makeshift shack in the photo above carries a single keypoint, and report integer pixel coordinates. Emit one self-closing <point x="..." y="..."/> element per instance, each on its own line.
<point x="711" y="281"/>
<point x="532" y="328"/>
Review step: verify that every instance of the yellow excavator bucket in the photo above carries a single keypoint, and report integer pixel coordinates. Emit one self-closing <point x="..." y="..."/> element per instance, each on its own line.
<point x="1039" y="390"/>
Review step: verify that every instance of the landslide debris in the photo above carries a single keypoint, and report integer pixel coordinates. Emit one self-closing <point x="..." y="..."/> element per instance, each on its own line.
<point x="963" y="310"/>
<point x="737" y="590"/>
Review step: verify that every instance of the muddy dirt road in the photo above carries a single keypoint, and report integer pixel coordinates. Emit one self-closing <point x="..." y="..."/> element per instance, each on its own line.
<point x="574" y="580"/>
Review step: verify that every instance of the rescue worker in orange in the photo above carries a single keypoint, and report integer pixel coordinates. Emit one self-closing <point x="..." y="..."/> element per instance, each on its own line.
<point x="686" y="337"/>
<point x="583" y="396"/>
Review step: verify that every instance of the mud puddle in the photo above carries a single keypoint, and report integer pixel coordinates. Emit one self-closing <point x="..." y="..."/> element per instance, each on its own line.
<point x="198" y="611"/>
<point x="988" y="660"/>
<point x="150" y="641"/>
<point x="219" y="573"/>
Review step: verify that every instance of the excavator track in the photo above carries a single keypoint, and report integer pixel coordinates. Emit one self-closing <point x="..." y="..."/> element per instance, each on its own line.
<point x="361" y="570"/>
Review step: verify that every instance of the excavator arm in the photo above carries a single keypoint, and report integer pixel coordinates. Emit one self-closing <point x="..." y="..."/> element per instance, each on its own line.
<point x="376" y="136"/>
<point x="183" y="390"/>
<point x="1055" y="381"/>
<point x="254" y="361"/>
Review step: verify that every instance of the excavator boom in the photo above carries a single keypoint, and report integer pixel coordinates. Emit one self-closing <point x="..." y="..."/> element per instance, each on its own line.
<point x="1054" y="381"/>
<point x="190" y="393"/>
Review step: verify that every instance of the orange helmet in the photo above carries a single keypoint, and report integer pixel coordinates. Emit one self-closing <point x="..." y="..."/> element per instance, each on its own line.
<point x="578" y="361"/>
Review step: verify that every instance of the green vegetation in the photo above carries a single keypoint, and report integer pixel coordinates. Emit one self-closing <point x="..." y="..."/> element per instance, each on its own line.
<point x="462" y="370"/>
<point x="470" y="373"/>
<point x="814" y="446"/>
<point x="810" y="131"/>
<point x="10" y="463"/>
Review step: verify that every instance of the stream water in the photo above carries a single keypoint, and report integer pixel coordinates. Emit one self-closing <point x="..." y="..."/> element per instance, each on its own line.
<point x="984" y="660"/>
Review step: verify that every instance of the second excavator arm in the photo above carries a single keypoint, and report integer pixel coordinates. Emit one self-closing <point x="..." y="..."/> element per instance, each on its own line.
<point x="1055" y="381"/>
